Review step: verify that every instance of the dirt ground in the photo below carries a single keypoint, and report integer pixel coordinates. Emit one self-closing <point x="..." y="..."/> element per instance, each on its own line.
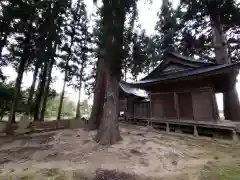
<point x="143" y="153"/>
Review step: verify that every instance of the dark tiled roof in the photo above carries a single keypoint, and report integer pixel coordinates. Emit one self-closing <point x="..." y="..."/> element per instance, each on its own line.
<point x="187" y="62"/>
<point x="217" y="69"/>
<point x="191" y="59"/>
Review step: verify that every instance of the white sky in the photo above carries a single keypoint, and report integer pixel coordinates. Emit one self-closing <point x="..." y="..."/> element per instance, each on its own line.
<point x="147" y="19"/>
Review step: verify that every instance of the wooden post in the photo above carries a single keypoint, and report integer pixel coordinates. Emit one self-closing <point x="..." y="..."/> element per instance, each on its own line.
<point x="167" y="127"/>
<point x="195" y="131"/>
<point x="234" y="136"/>
<point x="150" y="119"/>
<point x="215" y="106"/>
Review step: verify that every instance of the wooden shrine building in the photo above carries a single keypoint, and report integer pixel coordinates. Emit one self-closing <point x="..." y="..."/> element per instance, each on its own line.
<point x="180" y="88"/>
<point x="134" y="102"/>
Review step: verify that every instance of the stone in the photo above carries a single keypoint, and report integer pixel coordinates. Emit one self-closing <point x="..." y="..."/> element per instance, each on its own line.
<point x="23" y="125"/>
<point x="24" y="122"/>
<point x="2" y="127"/>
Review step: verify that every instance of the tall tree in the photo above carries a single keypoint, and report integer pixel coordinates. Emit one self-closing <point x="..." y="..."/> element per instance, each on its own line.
<point x="23" y="51"/>
<point x="221" y="17"/>
<point x="114" y="13"/>
<point x="99" y="73"/>
<point x="76" y="31"/>
<point x="49" y="37"/>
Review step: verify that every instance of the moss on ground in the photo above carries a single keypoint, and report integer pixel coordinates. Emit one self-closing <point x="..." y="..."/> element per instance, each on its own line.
<point x="50" y="174"/>
<point x="214" y="171"/>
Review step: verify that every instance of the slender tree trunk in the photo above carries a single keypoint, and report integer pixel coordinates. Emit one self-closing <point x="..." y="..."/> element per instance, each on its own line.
<point x="46" y="89"/>
<point x="230" y="97"/>
<point x="125" y="73"/>
<point x="98" y="100"/>
<point x="78" y="104"/>
<point x="17" y="91"/>
<point x="62" y="93"/>
<point x="108" y="132"/>
<point x="32" y="88"/>
<point x="79" y="95"/>
<point x="41" y="85"/>
<point x="19" y="80"/>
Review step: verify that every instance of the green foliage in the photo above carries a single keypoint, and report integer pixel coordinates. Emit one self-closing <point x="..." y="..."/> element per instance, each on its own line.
<point x="197" y="34"/>
<point x="7" y="98"/>
<point x="68" y="108"/>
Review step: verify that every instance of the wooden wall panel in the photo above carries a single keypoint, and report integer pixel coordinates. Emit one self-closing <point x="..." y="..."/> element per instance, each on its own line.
<point x="203" y="105"/>
<point x="123" y="104"/>
<point x="163" y="106"/>
<point x="185" y="106"/>
<point x="142" y="109"/>
<point x="157" y="106"/>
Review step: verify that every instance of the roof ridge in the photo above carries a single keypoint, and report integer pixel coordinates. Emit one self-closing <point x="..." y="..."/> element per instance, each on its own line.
<point x="188" y="58"/>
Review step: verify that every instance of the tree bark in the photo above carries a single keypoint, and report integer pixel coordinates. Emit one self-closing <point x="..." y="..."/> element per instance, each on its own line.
<point x="219" y="40"/>
<point x="41" y="85"/>
<point x="108" y="132"/>
<point x="46" y="89"/>
<point x="79" y="94"/>
<point x="230" y="97"/>
<point x="32" y="88"/>
<point x="113" y="27"/>
<point x="19" y="79"/>
<point x="62" y="93"/>
<point x="98" y="100"/>
<point x="78" y="104"/>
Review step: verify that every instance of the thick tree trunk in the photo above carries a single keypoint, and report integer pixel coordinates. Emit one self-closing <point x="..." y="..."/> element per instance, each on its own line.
<point x="108" y="132"/>
<point x="219" y="40"/>
<point x="230" y="97"/>
<point x="231" y="100"/>
<point x="46" y="89"/>
<point x="41" y="85"/>
<point x="231" y="105"/>
<point x="113" y="27"/>
<point x="98" y="100"/>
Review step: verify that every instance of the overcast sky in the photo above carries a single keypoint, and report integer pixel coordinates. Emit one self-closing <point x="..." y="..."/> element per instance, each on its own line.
<point x="147" y="19"/>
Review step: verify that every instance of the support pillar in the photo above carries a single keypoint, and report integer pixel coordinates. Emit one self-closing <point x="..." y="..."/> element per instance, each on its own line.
<point x="167" y="127"/>
<point x="195" y="131"/>
<point x="234" y="136"/>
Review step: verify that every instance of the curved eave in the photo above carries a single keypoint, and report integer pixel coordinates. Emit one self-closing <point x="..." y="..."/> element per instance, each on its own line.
<point x="133" y="90"/>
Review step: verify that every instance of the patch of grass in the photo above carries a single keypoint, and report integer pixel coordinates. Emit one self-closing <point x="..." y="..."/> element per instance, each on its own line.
<point x="221" y="172"/>
<point x="48" y="174"/>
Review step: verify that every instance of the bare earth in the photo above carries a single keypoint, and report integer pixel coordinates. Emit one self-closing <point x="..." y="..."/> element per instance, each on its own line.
<point x="144" y="153"/>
